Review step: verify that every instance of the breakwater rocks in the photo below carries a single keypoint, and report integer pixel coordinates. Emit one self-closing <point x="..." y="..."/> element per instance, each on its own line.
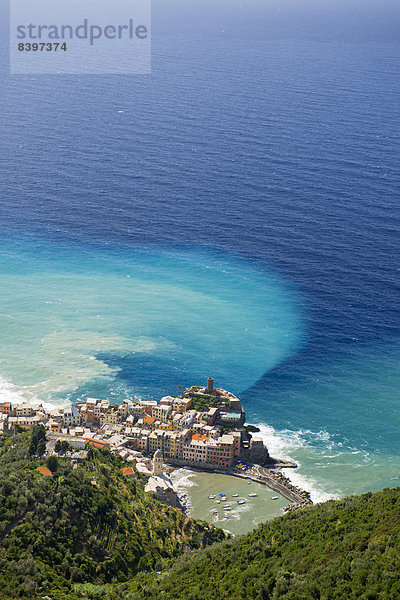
<point x="252" y="429"/>
<point x="184" y="502"/>
<point x="275" y="480"/>
<point x="296" y="506"/>
<point x="275" y="463"/>
<point x="299" y="498"/>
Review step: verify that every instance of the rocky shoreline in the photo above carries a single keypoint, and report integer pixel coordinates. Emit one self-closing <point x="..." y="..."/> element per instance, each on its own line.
<point x="298" y="497"/>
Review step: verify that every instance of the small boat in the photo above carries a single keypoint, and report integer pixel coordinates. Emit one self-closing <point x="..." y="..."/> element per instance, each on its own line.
<point x="218" y="501"/>
<point x="235" y="495"/>
<point x="241" y="501"/>
<point x="249" y="481"/>
<point x="227" y="508"/>
<point x="222" y="494"/>
<point x="223" y="498"/>
<point x="274" y="497"/>
<point x="215" y="513"/>
<point x="211" y="496"/>
<point x="253" y="495"/>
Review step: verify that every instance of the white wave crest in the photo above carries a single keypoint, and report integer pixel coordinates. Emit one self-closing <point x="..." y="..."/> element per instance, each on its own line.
<point x="288" y="444"/>
<point x="183" y="479"/>
<point x="25" y="395"/>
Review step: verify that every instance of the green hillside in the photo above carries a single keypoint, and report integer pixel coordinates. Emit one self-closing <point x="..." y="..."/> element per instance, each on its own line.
<point x="347" y="549"/>
<point x="85" y="524"/>
<point x="90" y="533"/>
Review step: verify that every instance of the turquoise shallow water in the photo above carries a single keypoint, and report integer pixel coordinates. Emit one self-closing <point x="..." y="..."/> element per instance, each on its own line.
<point x="339" y="421"/>
<point x="74" y="321"/>
<point x="331" y="466"/>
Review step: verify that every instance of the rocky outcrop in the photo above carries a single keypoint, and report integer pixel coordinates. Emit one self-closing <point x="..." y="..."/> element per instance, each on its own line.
<point x="254" y="452"/>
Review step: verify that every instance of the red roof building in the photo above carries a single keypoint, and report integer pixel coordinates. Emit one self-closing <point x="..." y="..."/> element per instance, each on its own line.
<point x="45" y="471"/>
<point x="127" y="471"/>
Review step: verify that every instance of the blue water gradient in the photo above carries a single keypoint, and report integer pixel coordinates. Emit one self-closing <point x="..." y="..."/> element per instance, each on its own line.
<point x="265" y="145"/>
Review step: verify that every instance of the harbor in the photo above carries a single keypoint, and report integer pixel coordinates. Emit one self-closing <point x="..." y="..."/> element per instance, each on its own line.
<point x="269" y="476"/>
<point x="275" y="480"/>
<point x="194" y="487"/>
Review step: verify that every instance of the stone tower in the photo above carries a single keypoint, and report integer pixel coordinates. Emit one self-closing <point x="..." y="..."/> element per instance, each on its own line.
<point x="210" y="385"/>
<point x="157" y="463"/>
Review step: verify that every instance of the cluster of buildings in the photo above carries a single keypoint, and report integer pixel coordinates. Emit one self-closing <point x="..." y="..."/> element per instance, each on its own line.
<point x="137" y="429"/>
<point x="27" y="415"/>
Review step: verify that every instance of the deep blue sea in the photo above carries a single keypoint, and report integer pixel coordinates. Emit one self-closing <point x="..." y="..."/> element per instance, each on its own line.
<point x="236" y="213"/>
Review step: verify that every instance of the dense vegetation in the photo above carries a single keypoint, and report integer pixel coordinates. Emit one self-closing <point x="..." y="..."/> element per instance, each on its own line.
<point x="205" y="401"/>
<point x="85" y="524"/>
<point x="89" y="533"/>
<point x="346" y="550"/>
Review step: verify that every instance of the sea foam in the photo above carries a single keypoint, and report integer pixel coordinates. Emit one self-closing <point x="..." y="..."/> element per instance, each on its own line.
<point x="292" y="445"/>
<point x="26" y="395"/>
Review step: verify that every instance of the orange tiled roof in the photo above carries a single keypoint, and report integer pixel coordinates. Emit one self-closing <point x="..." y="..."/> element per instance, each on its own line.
<point x="200" y="437"/>
<point x="148" y="419"/>
<point x="127" y="471"/>
<point x="96" y="443"/>
<point x="45" y="471"/>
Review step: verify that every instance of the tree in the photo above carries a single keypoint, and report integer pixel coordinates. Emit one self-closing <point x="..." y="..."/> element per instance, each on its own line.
<point x="52" y="463"/>
<point x="41" y="447"/>
<point x="65" y="447"/>
<point x="38" y="433"/>
<point x="32" y="448"/>
<point x="38" y="441"/>
<point x="62" y="447"/>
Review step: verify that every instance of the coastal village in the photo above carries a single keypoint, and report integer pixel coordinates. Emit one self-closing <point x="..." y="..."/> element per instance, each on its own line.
<point x="203" y="428"/>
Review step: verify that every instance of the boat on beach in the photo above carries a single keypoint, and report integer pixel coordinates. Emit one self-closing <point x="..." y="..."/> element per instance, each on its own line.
<point x="241" y="501"/>
<point x="211" y="496"/>
<point x="274" y="497"/>
<point x="253" y="495"/>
